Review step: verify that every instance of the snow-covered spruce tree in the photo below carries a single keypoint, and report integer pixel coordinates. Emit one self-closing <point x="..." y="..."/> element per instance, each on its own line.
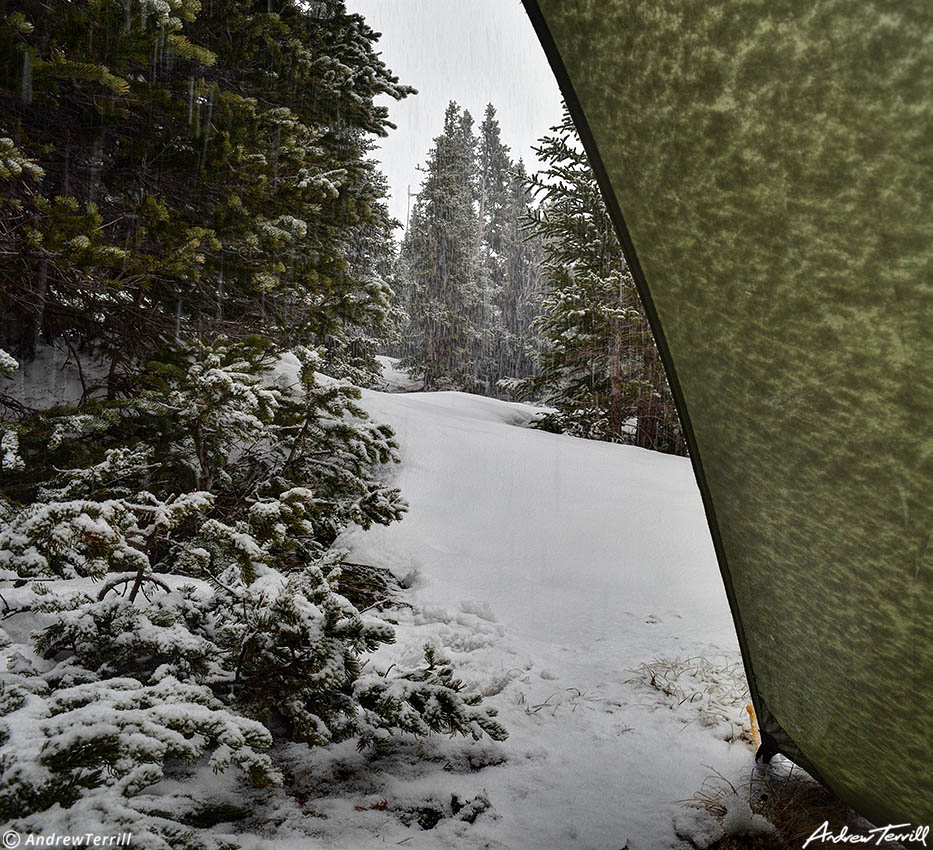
<point x="204" y="169"/>
<point x="468" y="272"/>
<point x="492" y="182"/>
<point x="510" y="257"/>
<point x="439" y="260"/>
<point x="186" y="591"/>
<point x="599" y="365"/>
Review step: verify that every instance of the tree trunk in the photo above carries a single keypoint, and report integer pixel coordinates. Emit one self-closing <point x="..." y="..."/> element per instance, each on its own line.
<point x="615" y="380"/>
<point x="650" y="412"/>
<point x="42" y="288"/>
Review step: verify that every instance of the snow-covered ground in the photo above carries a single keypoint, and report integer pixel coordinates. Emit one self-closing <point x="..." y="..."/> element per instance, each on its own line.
<point x="575" y="585"/>
<point x="572" y="583"/>
<point x="394" y="379"/>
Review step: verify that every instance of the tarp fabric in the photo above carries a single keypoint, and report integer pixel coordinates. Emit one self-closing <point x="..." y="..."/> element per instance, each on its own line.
<point x="769" y="164"/>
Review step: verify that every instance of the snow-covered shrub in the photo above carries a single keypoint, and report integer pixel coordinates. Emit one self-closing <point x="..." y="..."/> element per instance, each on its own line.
<point x="421" y="700"/>
<point x="10" y="460"/>
<point x="119" y="733"/>
<point x="8" y="363"/>
<point x="172" y="552"/>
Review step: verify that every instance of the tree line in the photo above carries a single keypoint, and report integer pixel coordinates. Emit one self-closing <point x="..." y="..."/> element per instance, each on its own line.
<point x="469" y="274"/>
<point x="515" y="284"/>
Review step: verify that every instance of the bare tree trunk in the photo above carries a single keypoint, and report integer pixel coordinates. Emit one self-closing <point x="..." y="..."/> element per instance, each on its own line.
<point x="649" y="404"/>
<point x="429" y="357"/>
<point x="42" y="287"/>
<point x="615" y="380"/>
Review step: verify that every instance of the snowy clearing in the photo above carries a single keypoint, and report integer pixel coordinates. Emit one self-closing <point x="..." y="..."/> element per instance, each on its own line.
<point x="573" y="583"/>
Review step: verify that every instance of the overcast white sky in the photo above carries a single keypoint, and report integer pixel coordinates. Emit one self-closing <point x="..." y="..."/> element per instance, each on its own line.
<point x="472" y="51"/>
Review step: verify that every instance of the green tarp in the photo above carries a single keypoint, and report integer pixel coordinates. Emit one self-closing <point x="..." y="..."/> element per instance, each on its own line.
<point x="769" y="165"/>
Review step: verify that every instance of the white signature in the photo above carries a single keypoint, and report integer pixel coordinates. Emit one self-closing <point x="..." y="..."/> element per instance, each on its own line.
<point x="877" y="836"/>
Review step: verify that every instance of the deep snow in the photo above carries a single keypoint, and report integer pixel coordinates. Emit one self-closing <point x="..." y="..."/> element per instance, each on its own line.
<point x="560" y="576"/>
<point x="574" y="584"/>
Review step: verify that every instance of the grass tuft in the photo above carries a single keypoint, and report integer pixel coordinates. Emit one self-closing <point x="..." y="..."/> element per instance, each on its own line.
<point x="788" y="798"/>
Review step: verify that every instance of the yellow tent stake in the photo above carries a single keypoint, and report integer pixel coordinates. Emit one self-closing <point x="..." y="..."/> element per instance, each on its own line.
<point x="756" y="737"/>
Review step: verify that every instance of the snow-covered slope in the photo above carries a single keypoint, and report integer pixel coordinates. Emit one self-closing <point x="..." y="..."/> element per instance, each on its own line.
<point x="394" y="379"/>
<point x="572" y="582"/>
<point x="566" y="539"/>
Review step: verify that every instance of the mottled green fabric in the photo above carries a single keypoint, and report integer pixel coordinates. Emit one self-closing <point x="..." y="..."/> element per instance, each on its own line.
<point x="773" y="162"/>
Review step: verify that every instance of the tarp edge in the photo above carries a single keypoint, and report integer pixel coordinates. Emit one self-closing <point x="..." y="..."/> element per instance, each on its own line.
<point x="766" y="719"/>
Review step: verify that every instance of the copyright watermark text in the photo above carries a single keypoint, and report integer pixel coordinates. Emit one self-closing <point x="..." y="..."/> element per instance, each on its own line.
<point x="12" y="839"/>
<point x="893" y="833"/>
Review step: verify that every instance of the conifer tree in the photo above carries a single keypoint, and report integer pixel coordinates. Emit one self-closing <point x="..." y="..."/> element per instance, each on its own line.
<point x="439" y="259"/>
<point x="204" y="171"/>
<point x="493" y="184"/>
<point x="188" y="593"/>
<point x="520" y="296"/>
<point x="469" y="270"/>
<point x="599" y="364"/>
